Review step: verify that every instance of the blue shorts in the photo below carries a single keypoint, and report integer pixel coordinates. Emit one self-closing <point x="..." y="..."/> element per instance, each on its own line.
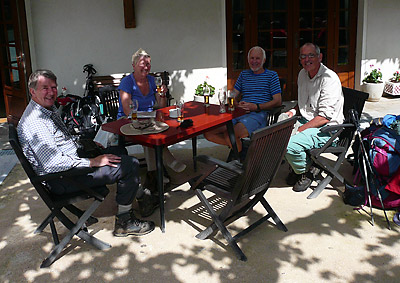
<point x="252" y="121"/>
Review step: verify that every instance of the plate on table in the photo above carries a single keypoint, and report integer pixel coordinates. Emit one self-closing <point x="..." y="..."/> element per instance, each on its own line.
<point x="143" y="127"/>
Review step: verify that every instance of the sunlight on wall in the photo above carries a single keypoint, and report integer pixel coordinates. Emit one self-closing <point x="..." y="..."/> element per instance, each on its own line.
<point x="184" y="82"/>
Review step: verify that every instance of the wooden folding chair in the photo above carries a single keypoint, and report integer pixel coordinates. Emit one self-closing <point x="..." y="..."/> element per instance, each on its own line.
<point x="58" y="202"/>
<point x="341" y="138"/>
<point x="243" y="185"/>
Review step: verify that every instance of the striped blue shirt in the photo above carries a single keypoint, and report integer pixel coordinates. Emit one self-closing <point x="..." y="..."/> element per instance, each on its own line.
<point x="45" y="141"/>
<point x="258" y="88"/>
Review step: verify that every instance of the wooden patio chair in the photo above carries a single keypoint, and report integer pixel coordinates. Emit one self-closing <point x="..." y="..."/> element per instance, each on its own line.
<point x="243" y="185"/>
<point x="109" y="96"/>
<point x="339" y="143"/>
<point x="66" y="201"/>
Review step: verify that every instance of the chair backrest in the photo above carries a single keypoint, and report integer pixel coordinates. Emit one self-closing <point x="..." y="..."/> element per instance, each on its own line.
<point x="353" y="99"/>
<point x="264" y="156"/>
<point x="109" y="96"/>
<point x="42" y="189"/>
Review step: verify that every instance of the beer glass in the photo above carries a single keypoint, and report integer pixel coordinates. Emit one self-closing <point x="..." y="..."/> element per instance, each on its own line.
<point x="222" y="101"/>
<point x="133" y="105"/>
<point x="231" y="100"/>
<point x="206" y="93"/>
<point x="158" y="81"/>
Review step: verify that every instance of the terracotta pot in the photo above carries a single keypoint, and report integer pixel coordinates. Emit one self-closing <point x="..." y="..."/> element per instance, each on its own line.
<point x="375" y="91"/>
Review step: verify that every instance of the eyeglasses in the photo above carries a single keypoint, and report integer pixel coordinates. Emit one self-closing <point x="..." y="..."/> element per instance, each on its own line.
<point x="310" y="56"/>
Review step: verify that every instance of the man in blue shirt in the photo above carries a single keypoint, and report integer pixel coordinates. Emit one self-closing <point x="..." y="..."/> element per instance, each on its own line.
<point x="50" y="148"/>
<point x="256" y="91"/>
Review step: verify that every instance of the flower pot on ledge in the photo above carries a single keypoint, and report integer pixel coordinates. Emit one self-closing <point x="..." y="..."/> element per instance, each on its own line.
<point x="392" y="88"/>
<point x="375" y="90"/>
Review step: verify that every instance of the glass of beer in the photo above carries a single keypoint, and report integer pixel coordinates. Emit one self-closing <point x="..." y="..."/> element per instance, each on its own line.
<point x="206" y="93"/>
<point x="180" y="105"/>
<point x="231" y="100"/>
<point x="133" y="105"/>
<point x="158" y="81"/>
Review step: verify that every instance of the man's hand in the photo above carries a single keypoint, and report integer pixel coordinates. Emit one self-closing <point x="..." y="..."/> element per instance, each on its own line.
<point x="104" y="160"/>
<point x="247" y="106"/>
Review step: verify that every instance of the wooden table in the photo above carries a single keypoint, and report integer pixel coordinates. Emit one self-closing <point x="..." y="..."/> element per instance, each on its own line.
<point x="204" y="119"/>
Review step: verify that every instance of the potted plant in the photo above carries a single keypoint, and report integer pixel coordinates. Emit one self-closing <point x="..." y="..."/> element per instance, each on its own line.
<point x="199" y="91"/>
<point x="392" y="86"/>
<point x="373" y="84"/>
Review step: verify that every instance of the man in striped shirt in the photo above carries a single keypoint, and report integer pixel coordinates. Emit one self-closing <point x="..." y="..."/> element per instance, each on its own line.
<point x="49" y="148"/>
<point x="256" y="91"/>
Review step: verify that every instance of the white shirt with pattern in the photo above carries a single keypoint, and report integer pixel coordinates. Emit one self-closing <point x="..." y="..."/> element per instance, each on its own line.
<point x="45" y="141"/>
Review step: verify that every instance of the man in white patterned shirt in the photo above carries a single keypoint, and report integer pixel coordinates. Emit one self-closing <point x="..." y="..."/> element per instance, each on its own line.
<point x="50" y="148"/>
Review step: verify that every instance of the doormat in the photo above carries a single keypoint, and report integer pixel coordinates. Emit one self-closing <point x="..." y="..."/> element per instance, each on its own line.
<point x="8" y="159"/>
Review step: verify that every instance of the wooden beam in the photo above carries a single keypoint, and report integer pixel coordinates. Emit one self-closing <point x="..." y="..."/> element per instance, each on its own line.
<point x="129" y="13"/>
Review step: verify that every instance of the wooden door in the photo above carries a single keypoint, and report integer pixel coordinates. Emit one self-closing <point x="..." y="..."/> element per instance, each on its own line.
<point x="15" y="59"/>
<point x="282" y="26"/>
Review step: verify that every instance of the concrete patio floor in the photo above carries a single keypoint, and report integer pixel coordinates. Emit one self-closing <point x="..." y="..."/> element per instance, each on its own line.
<point x="327" y="241"/>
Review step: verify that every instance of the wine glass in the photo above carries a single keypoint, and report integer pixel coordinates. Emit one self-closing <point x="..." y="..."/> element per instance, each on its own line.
<point x="206" y="94"/>
<point x="133" y="106"/>
<point x="158" y="81"/>
<point x="222" y="100"/>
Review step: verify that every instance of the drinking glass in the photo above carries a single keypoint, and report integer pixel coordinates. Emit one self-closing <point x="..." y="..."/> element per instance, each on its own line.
<point x="222" y="101"/>
<point x="180" y="105"/>
<point x="231" y="100"/>
<point x="133" y="106"/>
<point x="206" y="93"/>
<point x="158" y="81"/>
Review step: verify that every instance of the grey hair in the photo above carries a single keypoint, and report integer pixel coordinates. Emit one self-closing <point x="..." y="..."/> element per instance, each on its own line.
<point x="257" y="48"/>
<point x="34" y="77"/>
<point x="316" y="47"/>
<point x="139" y="54"/>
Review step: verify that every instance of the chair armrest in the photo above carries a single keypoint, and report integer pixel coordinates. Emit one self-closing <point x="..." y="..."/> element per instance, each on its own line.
<point x="77" y="171"/>
<point x="335" y="130"/>
<point x="233" y="166"/>
<point x="276" y="110"/>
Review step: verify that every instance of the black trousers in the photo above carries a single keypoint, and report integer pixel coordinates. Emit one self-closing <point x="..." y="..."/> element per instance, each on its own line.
<point x="126" y="175"/>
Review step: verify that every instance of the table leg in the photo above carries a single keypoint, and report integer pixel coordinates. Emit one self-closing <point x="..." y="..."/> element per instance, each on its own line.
<point x="232" y="138"/>
<point x="160" y="184"/>
<point x="194" y="150"/>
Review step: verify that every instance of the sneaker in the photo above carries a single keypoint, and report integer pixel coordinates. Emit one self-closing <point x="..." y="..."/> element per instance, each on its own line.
<point x="148" y="204"/>
<point x="303" y="183"/>
<point x="127" y="224"/>
<point x="292" y="177"/>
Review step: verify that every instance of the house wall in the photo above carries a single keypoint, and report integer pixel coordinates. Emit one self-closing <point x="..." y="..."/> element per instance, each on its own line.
<point x="185" y="38"/>
<point x="377" y="38"/>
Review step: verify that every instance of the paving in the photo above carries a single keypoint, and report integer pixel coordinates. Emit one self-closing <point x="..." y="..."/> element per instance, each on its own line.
<point x="327" y="241"/>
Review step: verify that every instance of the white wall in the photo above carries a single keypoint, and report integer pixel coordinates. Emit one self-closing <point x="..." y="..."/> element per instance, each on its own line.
<point x="186" y="38"/>
<point x="378" y="38"/>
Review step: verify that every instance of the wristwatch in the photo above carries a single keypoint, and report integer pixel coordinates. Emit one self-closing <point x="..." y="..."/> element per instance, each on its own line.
<point x="258" y="107"/>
